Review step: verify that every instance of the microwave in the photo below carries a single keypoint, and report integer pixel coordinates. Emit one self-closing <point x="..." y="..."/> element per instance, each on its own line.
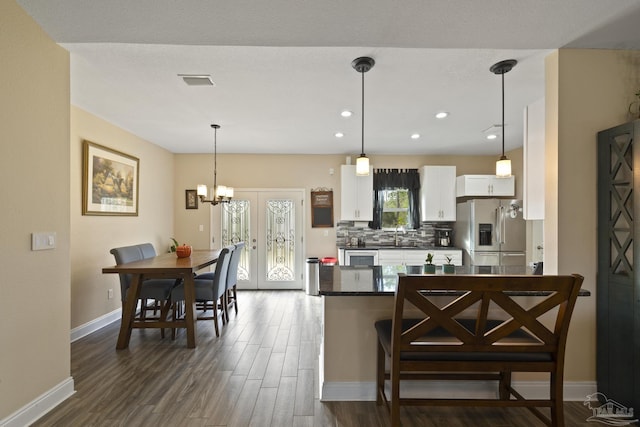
<point x="360" y="257"/>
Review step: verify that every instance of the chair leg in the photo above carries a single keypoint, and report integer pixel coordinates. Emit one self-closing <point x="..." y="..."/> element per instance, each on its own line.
<point x="505" y="384"/>
<point x="225" y="298"/>
<point x="143" y="309"/>
<point x="556" y="396"/>
<point x="223" y="308"/>
<point x="380" y="374"/>
<point x="235" y="298"/>
<point x="175" y="314"/>
<point x="164" y="313"/>
<point x="215" y="318"/>
<point x="395" y="395"/>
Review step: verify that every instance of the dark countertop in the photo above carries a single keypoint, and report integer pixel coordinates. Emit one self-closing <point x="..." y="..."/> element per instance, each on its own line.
<point x="383" y="280"/>
<point x="376" y="247"/>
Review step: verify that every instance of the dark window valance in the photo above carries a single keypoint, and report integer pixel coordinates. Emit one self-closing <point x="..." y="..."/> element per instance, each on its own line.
<point x="388" y="179"/>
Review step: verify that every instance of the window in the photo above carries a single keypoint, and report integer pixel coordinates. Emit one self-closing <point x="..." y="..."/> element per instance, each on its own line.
<point x="395" y="209"/>
<point x="396" y="199"/>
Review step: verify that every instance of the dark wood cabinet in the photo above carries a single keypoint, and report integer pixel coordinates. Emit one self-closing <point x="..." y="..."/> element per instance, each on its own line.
<point x="618" y="285"/>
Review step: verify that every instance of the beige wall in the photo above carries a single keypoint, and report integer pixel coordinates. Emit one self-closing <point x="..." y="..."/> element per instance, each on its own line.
<point x="587" y="91"/>
<point x="294" y="171"/>
<point x="34" y="172"/>
<point x="93" y="236"/>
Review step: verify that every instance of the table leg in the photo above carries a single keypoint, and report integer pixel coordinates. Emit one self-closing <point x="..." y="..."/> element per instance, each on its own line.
<point x="129" y="312"/>
<point x="189" y="310"/>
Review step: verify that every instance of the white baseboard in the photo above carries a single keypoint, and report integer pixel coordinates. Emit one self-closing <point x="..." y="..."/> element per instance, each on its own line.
<point x="366" y="391"/>
<point x="40" y="406"/>
<point x="95" y="324"/>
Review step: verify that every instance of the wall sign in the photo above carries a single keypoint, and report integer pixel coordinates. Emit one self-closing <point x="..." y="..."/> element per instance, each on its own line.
<point x="322" y="208"/>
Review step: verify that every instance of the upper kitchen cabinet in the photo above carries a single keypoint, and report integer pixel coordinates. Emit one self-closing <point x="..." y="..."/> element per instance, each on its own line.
<point x="356" y="195"/>
<point x="438" y="193"/>
<point x="533" y="151"/>
<point x="485" y="185"/>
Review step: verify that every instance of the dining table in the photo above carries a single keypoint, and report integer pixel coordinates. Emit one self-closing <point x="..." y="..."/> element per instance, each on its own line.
<point x="163" y="266"/>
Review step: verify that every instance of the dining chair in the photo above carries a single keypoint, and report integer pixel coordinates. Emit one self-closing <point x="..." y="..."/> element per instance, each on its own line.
<point x="232" y="279"/>
<point x="231" y="295"/>
<point x="209" y="290"/>
<point x="158" y="290"/>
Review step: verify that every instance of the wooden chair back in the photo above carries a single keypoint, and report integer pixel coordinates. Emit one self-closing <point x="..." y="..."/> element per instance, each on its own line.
<point x="485" y="290"/>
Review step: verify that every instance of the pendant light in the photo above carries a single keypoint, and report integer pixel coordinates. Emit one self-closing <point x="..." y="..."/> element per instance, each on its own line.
<point x="221" y="194"/>
<point x="503" y="166"/>
<point x="362" y="65"/>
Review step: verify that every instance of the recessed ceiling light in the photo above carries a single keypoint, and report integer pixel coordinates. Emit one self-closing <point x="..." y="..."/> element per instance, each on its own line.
<point x="441" y="115"/>
<point x="492" y="136"/>
<point x="339" y="134"/>
<point x="346" y="113"/>
<point x="415" y="136"/>
<point x="197" y="79"/>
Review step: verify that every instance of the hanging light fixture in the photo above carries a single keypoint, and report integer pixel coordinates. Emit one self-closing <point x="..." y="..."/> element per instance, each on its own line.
<point x="362" y="65"/>
<point x="221" y="194"/>
<point x="503" y="166"/>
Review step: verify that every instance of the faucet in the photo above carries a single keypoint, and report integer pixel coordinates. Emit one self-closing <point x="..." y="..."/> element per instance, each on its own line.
<point x="396" y="240"/>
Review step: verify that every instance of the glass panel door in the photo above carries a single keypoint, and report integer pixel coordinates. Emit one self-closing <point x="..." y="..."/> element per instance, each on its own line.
<point x="270" y="224"/>
<point x="280" y="254"/>
<point x="236" y="227"/>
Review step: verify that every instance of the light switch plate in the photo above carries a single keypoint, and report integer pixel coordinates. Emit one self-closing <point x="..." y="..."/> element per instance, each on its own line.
<point x="44" y="240"/>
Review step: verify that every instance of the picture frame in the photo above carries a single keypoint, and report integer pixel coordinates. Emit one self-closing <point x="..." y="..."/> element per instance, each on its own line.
<point x="110" y="181"/>
<point x="191" y="199"/>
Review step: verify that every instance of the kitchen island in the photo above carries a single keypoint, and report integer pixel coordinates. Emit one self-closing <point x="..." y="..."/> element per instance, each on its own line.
<point x="354" y="298"/>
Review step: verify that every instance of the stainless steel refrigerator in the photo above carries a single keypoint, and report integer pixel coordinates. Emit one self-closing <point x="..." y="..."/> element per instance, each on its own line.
<point x="491" y="232"/>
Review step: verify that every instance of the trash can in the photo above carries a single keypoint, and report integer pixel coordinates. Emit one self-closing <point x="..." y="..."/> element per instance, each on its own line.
<point x="313" y="276"/>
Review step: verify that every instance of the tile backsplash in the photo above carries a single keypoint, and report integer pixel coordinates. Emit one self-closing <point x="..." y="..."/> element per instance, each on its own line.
<point x="424" y="236"/>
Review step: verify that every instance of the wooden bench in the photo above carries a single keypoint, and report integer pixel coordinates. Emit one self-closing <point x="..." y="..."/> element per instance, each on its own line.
<point x="448" y="343"/>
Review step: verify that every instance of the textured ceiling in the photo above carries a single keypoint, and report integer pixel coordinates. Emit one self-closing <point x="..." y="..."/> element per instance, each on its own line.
<point x="282" y="68"/>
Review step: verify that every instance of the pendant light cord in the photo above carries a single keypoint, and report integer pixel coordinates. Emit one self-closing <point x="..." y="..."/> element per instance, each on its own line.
<point x="215" y="160"/>
<point x="503" y="130"/>
<point x="362" y="151"/>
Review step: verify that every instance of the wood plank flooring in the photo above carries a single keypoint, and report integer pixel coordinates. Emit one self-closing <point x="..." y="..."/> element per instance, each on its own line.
<point x="262" y="371"/>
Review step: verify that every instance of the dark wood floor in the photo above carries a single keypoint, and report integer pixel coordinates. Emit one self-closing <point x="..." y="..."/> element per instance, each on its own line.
<point x="262" y="371"/>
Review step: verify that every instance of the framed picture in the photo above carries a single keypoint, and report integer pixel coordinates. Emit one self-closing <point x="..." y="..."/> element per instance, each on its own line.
<point x="191" y="199"/>
<point x="109" y="181"/>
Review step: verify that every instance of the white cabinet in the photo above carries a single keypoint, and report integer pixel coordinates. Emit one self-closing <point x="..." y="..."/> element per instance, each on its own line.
<point x="356" y="195"/>
<point x="358" y="279"/>
<point x="534" y="160"/>
<point x="390" y="257"/>
<point x="418" y="256"/>
<point x="438" y="193"/>
<point x="485" y="185"/>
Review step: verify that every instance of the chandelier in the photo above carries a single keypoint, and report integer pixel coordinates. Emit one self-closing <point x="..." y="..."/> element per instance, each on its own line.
<point x="221" y="193"/>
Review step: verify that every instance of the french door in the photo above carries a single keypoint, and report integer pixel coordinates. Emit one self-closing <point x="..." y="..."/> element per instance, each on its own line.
<point x="270" y="222"/>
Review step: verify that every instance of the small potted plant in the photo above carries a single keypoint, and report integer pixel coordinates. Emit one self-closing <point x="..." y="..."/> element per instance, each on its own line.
<point x="173" y="247"/>
<point x="429" y="267"/>
<point x="448" y="268"/>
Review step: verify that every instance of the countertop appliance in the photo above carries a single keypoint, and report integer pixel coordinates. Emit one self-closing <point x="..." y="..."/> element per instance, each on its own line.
<point x="444" y="237"/>
<point x="491" y="232"/>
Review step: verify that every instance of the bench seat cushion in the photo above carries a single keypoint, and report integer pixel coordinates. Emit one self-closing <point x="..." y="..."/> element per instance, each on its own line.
<point x="441" y="336"/>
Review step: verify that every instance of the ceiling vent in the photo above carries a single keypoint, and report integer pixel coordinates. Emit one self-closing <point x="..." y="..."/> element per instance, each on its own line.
<point x="197" y="79"/>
